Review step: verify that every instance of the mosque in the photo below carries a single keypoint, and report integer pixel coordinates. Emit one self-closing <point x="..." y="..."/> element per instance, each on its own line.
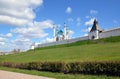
<point x="59" y="35"/>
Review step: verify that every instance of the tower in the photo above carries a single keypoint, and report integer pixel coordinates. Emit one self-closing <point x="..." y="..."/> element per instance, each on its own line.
<point x="94" y="32"/>
<point x="65" y="31"/>
<point x="54" y="33"/>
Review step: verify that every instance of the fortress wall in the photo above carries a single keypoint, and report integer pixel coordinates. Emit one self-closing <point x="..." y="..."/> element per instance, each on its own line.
<point x="63" y="41"/>
<point x="109" y="33"/>
<point x="104" y="34"/>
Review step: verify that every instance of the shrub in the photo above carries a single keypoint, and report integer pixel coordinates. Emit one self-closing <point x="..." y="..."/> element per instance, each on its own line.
<point x="53" y="66"/>
<point x="106" y="68"/>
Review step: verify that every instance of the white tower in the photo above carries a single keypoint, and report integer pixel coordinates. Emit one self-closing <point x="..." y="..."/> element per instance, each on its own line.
<point x="54" y="33"/>
<point x="94" y="32"/>
<point x="65" y="31"/>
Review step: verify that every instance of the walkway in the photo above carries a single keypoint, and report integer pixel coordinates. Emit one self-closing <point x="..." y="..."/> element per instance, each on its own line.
<point x="14" y="75"/>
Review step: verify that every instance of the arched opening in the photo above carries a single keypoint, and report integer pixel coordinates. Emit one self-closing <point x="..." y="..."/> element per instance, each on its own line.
<point x="93" y="37"/>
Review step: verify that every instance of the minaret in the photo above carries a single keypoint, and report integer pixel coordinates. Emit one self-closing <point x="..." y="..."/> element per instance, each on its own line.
<point x="65" y="31"/>
<point x="54" y="33"/>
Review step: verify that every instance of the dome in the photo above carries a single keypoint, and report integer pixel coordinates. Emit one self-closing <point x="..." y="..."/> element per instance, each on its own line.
<point x="60" y="32"/>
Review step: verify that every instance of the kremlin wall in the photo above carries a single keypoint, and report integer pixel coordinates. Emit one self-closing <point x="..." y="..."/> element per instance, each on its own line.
<point x="95" y="33"/>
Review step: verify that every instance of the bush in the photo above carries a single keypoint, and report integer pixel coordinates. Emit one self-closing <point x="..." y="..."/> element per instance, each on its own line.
<point x="53" y="66"/>
<point x="106" y="68"/>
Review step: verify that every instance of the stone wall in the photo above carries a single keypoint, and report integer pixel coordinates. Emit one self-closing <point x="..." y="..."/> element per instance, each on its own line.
<point x="104" y="34"/>
<point x="109" y="33"/>
<point x="64" y="41"/>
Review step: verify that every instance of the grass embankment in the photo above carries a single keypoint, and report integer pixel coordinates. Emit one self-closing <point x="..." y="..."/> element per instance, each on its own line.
<point x="107" y="49"/>
<point x="101" y="50"/>
<point x="58" y="75"/>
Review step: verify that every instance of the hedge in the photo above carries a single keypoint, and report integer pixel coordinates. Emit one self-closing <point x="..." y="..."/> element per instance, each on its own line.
<point x="98" y="68"/>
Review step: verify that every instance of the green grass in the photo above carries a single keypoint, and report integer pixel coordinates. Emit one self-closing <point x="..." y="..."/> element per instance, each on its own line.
<point x="58" y="75"/>
<point x="107" y="49"/>
<point x="85" y="42"/>
<point x="93" y="52"/>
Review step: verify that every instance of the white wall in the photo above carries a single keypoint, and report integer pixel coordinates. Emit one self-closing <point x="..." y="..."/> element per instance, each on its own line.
<point x="104" y="34"/>
<point x="109" y="33"/>
<point x="64" y="41"/>
<point x="95" y="34"/>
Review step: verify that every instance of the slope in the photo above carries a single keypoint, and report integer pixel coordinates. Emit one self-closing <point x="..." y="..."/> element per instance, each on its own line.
<point x="107" y="49"/>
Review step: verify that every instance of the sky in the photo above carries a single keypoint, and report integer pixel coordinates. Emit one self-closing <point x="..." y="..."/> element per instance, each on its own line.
<point x="23" y="22"/>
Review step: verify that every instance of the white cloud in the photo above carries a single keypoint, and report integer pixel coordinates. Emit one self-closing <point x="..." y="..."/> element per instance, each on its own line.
<point x="78" y="21"/>
<point x="90" y="22"/>
<point x="21" y="43"/>
<point x="87" y="17"/>
<point x="115" y="21"/>
<point x="87" y="30"/>
<point x="2" y="40"/>
<point x="70" y="33"/>
<point x="18" y="12"/>
<point x="2" y="43"/>
<point x="70" y="19"/>
<point x="21" y="13"/>
<point x="35" y="30"/>
<point x="93" y="11"/>
<point x="47" y="40"/>
<point x="9" y="35"/>
<point x="13" y="20"/>
<point x="69" y="10"/>
<point x="85" y="35"/>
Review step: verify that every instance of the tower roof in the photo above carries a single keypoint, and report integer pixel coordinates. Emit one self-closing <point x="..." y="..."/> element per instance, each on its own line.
<point x="95" y="26"/>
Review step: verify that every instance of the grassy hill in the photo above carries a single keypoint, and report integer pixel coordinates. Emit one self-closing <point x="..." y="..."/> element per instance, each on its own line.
<point x="107" y="49"/>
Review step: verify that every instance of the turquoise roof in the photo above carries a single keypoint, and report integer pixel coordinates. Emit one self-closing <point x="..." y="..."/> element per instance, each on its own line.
<point x="60" y="32"/>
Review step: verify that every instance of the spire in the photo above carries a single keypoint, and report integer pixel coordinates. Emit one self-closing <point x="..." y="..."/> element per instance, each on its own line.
<point x="65" y="25"/>
<point x="54" y="32"/>
<point x="95" y="21"/>
<point x="95" y="26"/>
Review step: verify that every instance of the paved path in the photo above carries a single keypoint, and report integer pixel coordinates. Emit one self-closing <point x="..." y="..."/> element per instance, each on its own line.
<point x="14" y="75"/>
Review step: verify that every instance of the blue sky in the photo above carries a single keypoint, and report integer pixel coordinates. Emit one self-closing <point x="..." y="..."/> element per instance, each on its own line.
<point x="23" y="22"/>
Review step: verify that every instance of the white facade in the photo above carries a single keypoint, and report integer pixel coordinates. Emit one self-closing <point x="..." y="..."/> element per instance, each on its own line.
<point x="94" y="35"/>
<point x="64" y="41"/>
<point x="59" y="35"/>
<point x="109" y="33"/>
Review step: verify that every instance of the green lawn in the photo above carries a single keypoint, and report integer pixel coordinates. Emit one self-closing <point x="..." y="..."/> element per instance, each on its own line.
<point x="58" y="75"/>
<point x="107" y="49"/>
<point x="81" y="53"/>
